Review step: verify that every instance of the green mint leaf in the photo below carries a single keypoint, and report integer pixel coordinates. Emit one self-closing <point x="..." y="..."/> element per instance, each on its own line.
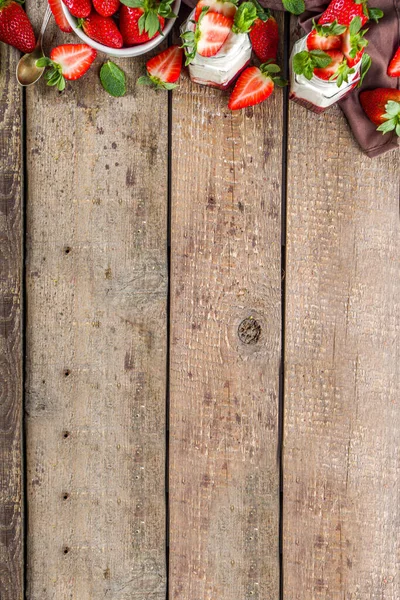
<point x="365" y="65"/>
<point x="280" y="82"/>
<point x="113" y="79"/>
<point x="355" y="25"/>
<point x="245" y="16"/>
<point x="133" y="3"/>
<point x="44" y="62"/>
<point x="375" y="14"/>
<point x="262" y="13"/>
<point x="296" y="7"/>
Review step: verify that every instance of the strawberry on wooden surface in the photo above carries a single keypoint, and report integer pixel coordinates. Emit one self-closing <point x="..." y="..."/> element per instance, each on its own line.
<point x="394" y="65"/>
<point x="254" y="86"/>
<point x="79" y="8"/>
<point x="382" y="107"/>
<point x="164" y="69"/>
<point x="344" y="11"/>
<point x="354" y="42"/>
<point x="264" y="34"/>
<point x="15" y="26"/>
<point x="142" y="20"/>
<point x="102" y="30"/>
<point x="225" y="7"/>
<point x="59" y="17"/>
<point x="68" y="61"/>
<point x="325" y="37"/>
<point x="106" y="8"/>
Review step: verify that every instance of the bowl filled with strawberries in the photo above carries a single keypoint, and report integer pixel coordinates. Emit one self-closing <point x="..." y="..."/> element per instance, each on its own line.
<point x="121" y="28"/>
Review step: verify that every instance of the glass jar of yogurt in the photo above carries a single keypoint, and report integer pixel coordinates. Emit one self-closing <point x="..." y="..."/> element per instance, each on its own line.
<point x="317" y="94"/>
<point x="221" y="70"/>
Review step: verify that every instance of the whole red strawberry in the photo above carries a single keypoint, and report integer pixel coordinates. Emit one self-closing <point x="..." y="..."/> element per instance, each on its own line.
<point x="15" y="26"/>
<point x="142" y="20"/>
<point x="344" y="11"/>
<point x="382" y="107"/>
<point x="264" y="36"/>
<point x="79" y="8"/>
<point x="102" y="30"/>
<point x="106" y="8"/>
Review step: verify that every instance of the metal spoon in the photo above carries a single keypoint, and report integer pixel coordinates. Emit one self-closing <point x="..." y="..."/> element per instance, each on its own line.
<point x="27" y="71"/>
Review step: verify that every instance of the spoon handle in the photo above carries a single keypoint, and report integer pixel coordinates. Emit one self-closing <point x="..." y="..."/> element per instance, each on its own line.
<point x="45" y="22"/>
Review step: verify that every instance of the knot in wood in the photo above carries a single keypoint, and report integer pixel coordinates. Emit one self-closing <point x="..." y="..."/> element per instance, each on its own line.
<point x="249" y="331"/>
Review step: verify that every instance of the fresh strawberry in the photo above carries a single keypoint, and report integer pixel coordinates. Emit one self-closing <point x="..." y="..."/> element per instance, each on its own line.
<point x="69" y="61"/>
<point x="225" y="7"/>
<point x="254" y="86"/>
<point x="102" y="30"/>
<point x="354" y="42"/>
<point x="382" y="107"/>
<point x="394" y="65"/>
<point x="331" y="70"/>
<point x="15" y="26"/>
<point x="326" y="37"/>
<point x="79" y="8"/>
<point x="210" y="34"/>
<point x="264" y="37"/>
<point x="106" y="8"/>
<point x="330" y="65"/>
<point x="164" y="69"/>
<point x="344" y="12"/>
<point x="59" y="17"/>
<point x="142" y="20"/>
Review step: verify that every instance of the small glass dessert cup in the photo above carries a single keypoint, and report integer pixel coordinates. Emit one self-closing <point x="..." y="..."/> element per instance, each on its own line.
<point x="221" y="70"/>
<point x="317" y="94"/>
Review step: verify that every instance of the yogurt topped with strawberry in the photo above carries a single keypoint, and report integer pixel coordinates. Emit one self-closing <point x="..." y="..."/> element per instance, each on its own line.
<point x="216" y="41"/>
<point x="328" y="63"/>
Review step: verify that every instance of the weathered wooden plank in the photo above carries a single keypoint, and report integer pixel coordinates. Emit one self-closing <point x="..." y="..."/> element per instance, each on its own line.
<point x="11" y="511"/>
<point x="342" y="423"/>
<point x="96" y="345"/>
<point x="224" y="483"/>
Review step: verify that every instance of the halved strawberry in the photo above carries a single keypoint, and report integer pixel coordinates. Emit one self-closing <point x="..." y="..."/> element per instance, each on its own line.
<point x="106" y="8"/>
<point x="212" y="30"/>
<point x="59" y="17"/>
<point x="224" y="7"/>
<point x="68" y="61"/>
<point x="337" y="70"/>
<point x="354" y="42"/>
<point x="102" y="29"/>
<point x="142" y="20"/>
<point x="164" y="69"/>
<point x="394" y="65"/>
<point x="254" y="86"/>
<point x="326" y="37"/>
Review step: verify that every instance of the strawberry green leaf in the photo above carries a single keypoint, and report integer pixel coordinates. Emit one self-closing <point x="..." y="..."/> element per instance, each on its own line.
<point x="280" y="82"/>
<point x="44" y="62"/>
<point x="355" y="25"/>
<point x="190" y="38"/>
<point x="398" y="129"/>
<point x="165" y="9"/>
<point x="365" y="65"/>
<point x="245" y="16"/>
<point x="113" y="79"/>
<point x="387" y="126"/>
<point x="392" y="108"/>
<point x="331" y="29"/>
<point x="152" y="23"/>
<point x="375" y="14"/>
<point x="296" y="7"/>
<point x="262" y="13"/>
<point x="133" y="3"/>
<point x="156" y="82"/>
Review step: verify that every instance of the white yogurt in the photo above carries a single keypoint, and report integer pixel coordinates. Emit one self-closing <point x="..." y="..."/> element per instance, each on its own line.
<point x="317" y="94"/>
<point x="221" y="69"/>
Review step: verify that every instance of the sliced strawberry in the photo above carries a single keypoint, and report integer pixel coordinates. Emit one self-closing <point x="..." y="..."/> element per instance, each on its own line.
<point x="224" y="7"/>
<point x="102" y="29"/>
<point x="79" y="8"/>
<point x="337" y="70"/>
<point x="68" y="61"/>
<point x="326" y="37"/>
<point x="354" y="42"/>
<point x="213" y="28"/>
<point x="394" y="65"/>
<point x="106" y="8"/>
<point x="254" y="86"/>
<point x="59" y="17"/>
<point x="164" y="69"/>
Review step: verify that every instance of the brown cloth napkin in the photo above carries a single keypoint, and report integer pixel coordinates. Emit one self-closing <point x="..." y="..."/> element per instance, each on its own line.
<point x="384" y="39"/>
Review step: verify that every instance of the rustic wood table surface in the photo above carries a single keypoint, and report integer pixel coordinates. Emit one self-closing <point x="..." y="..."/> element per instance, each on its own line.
<point x="199" y="347"/>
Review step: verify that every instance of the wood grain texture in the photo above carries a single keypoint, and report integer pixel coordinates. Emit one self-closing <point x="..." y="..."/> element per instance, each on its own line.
<point x="224" y="485"/>
<point x="96" y="339"/>
<point x="342" y="420"/>
<point x="11" y="232"/>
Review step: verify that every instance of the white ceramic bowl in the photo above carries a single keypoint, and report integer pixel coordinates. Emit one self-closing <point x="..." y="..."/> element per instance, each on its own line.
<point x="122" y="52"/>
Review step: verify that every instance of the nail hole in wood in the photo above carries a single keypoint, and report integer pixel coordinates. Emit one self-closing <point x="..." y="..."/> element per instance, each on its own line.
<point x="65" y="496"/>
<point x="249" y="331"/>
<point x="67" y="372"/>
<point x="66" y="550"/>
<point x="66" y="434"/>
<point x="67" y="250"/>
